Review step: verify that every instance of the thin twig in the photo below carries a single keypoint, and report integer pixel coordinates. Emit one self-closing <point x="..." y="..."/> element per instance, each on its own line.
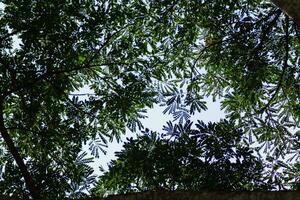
<point x="8" y="35"/>
<point x="82" y="94"/>
<point x="87" y="64"/>
<point x="267" y="30"/>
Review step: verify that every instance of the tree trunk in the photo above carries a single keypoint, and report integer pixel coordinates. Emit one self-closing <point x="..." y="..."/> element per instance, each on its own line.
<point x="16" y="155"/>
<point x="290" y="7"/>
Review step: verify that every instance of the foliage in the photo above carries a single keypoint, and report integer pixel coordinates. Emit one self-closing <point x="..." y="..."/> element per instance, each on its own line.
<point x="131" y="54"/>
<point x="214" y="156"/>
<point x="246" y="55"/>
<point x="54" y="180"/>
<point x="49" y="51"/>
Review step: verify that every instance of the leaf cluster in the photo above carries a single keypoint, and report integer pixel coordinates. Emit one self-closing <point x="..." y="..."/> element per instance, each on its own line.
<point x="212" y="156"/>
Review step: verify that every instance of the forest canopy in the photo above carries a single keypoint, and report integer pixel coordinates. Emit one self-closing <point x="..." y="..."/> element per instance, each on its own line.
<point x="132" y="54"/>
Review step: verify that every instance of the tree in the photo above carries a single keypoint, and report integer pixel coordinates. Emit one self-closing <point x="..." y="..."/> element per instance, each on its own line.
<point x="249" y="53"/>
<point x="49" y="50"/>
<point x="291" y="7"/>
<point x="132" y="54"/>
<point x="214" y="156"/>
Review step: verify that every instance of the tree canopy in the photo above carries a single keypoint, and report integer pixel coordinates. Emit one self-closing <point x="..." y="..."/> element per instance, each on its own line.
<point x="132" y="54"/>
<point x="209" y="157"/>
<point x="213" y="156"/>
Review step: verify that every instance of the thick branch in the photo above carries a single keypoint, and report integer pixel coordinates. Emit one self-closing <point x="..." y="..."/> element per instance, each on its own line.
<point x="203" y="195"/>
<point x="35" y="193"/>
<point x="291" y="7"/>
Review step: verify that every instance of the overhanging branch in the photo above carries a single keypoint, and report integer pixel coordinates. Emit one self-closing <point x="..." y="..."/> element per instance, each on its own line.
<point x="290" y="7"/>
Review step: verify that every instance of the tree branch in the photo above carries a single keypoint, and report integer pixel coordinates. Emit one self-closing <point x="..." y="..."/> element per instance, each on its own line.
<point x="87" y="64"/>
<point x="8" y="35"/>
<point x="35" y="193"/>
<point x="290" y="7"/>
<point x="82" y="94"/>
<point x="284" y="68"/>
<point x="267" y="30"/>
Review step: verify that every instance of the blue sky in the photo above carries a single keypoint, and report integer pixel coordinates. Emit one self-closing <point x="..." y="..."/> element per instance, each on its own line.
<point x="155" y="121"/>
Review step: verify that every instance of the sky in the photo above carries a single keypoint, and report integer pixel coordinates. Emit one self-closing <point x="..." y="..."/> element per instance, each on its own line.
<point x="155" y="121"/>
